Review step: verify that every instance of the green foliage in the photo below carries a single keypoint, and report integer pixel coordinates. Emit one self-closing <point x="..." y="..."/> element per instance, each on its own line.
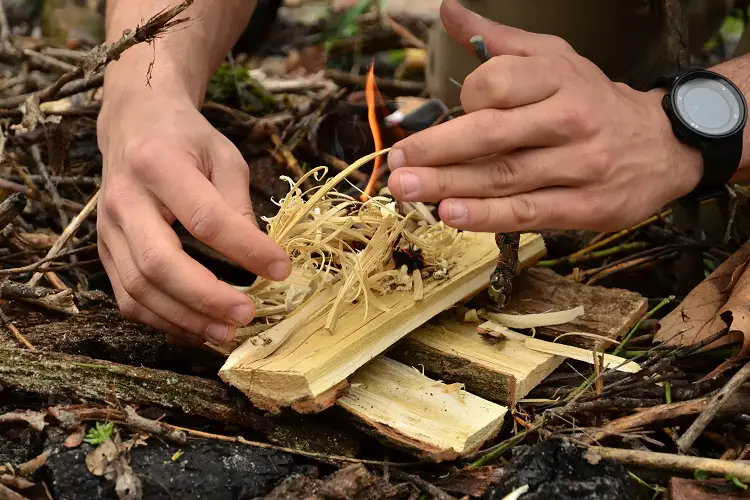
<point x="734" y="479"/>
<point x="99" y="433"/>
<point x="700" y="475"/>
<point x="232" y="85"/>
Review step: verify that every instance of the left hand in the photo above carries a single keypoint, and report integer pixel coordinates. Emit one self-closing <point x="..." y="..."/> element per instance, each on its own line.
<point x="547" y="142"/>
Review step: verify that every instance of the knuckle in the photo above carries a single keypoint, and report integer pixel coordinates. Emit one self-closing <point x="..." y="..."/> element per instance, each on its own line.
<point x="152" y="264"/>
<point x="579" y="121"/>
<point x="443" y="183"/>
<point x="525" y="211"/>
<point x="501" y="175"/>
<point x="558" y="44"/>
<point x="134" y="283"/>
<point x="205" y="223"/>
<point x="128" y="307"/>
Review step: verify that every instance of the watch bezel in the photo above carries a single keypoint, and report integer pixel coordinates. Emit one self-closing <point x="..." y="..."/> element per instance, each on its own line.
<point x="705" y="74"/>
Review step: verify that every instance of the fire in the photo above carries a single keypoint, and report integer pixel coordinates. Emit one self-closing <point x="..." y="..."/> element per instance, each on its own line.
<point x="373" y="97"/>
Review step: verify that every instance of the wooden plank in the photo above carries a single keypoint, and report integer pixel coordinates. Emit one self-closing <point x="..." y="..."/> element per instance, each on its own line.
<point x="609" y="312"/>
<point x="506" y="371"/>
<point x="309" y="369"/>
<point x="414" y="412"/>
<point x="453" y="351"/>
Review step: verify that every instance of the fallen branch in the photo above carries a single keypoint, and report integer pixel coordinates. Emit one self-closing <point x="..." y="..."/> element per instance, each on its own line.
<point x="11" y="208"/>
<point x="713" y="407"/>
<point x="67" y="234"/>
<point x="45" y="297"/>
<point x="102" y="55"/>
<point x="154" y="427"/>
<point x="667" y="461"/>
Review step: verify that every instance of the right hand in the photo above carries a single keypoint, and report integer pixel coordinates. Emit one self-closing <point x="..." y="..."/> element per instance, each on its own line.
<point x="163" y="162"/>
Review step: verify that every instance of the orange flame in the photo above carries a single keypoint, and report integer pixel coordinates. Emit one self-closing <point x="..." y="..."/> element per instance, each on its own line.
<point x="371" y="95"/>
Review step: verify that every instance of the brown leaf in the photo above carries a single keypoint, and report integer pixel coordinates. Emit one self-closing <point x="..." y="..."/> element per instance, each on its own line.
<point x="100" y="461"/>
<point x="472" y="481"/>
<point x="76" y="437"/>
<point x="33" y="418"/>
<point x="699" y="315"/>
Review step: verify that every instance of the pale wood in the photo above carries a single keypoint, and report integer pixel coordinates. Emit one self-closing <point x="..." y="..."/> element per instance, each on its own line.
<point x="418" y="413"/>
<point x="311" y="361"/>
<point x="503" y="371"/>
<point x="609" y="312"/>
<point x="542" y="346"/>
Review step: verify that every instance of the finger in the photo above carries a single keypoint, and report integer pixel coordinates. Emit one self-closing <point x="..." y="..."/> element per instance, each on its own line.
<point x="488" y="177"/>
<point x="462" y="24"/>
<point x="208" y="217"/>
<point x="162" y="305"/>
<point x="511" y="81"/>
<point x="231" y="176"/>
<point x="482" y="133"/>
<point x="551" y="208"/>
<point x="129" y="308"/>
<point x="156" y="251"/>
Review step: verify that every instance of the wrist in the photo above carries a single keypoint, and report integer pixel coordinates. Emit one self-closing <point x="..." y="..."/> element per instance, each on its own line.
<point x="685" y="161"/>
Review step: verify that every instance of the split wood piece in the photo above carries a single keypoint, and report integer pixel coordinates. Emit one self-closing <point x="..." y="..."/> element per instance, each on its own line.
<point x="608" y="312"/>
<point x="433" y="419"/>
<point x="611" y="362"/>
<point x="503" y="372"/>
<point x="309" y="370"/>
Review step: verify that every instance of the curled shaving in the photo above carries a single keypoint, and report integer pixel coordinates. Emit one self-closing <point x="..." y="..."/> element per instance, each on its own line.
<point x="337" y="240"/>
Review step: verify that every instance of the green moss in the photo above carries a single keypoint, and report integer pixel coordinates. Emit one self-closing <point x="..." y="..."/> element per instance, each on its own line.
<point x="233" y="86"/>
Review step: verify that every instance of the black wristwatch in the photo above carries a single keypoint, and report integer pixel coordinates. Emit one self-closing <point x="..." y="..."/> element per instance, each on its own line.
<point x="707" y="112"/>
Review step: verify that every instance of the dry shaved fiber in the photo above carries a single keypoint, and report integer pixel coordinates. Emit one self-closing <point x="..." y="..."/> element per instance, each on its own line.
<point x="338" y="241"/>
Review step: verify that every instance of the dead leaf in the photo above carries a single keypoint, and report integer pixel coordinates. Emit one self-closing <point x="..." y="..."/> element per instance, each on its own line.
<point x="699" y="315"/>
<point x="33" y="418"/>
<point x="472" y="481"/>
<point x="75" y="439"/>
<point x="100" y="461"/>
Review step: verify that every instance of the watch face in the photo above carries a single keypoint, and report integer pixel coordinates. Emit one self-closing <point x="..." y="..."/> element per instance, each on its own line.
<point x="709" y="106"/>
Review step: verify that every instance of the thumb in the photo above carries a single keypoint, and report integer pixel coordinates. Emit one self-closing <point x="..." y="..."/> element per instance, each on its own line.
<point x="462" y="24"/>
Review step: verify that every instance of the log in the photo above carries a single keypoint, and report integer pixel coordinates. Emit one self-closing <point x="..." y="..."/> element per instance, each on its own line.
<point x="435" y="420"/>
<point x="502" y="372"/>
<point x="84" y="378"/>
<point x="309" y="369"/>
<point x="506" y="371"/>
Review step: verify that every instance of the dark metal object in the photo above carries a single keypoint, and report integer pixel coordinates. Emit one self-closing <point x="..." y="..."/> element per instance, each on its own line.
<point x="501" y="281"/>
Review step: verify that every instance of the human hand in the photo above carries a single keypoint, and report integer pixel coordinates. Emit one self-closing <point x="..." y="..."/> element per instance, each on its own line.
<point x="547" y="142"/>
<point x="164" y="162"/>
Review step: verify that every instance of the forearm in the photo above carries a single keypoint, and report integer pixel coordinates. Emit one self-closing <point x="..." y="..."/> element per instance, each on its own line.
<point x="738" y="71"/>
<point x="184" y="59"/>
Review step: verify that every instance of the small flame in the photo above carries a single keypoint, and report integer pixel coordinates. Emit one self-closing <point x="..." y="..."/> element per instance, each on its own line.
<point x="372" y="95"/>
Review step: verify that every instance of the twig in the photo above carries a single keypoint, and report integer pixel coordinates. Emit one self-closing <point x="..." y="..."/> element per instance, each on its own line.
<point x="48" y="60"/>
<point x="423" y="485"/>
<point x="404" y="33"/>
<point x="37" y="265"/>
<point x="102" y="55"/>
<point x="67" y="234"/>
<point x="500" y="448"/>
<point x="667" y="461"/>
<point x="36" y="154"/>
<point x="619" y="235"/>
<point x="4" y="26"/>
<point x="154" y="427"/>
<point x="11" y="208"/>
<point x="59" y="180"/>
<point x="19" y="188"/>
<point x="594" y="255"/>
<point x="344" y="78"/>
<point x="45" y="297"/>
<point x="713" y="408"/>
<point x="16" y="332"/>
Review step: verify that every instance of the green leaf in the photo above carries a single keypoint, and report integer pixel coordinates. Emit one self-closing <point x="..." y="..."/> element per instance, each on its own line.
<point x="99" y="433"/>
<point x="700" y="475"/>
<point x="734" y="479"/>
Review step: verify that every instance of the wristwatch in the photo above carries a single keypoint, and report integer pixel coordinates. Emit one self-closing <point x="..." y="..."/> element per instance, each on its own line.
<point x="707" y="112"/>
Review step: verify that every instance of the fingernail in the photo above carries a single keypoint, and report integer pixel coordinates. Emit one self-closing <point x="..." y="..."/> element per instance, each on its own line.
<point x="457" y="211"/>
<point x="396" y="159"/>
<point x="241" y="314"/>
<point x="409" y="183"/>
<point x="279" y="270"/>
<point x="217" y="332"/>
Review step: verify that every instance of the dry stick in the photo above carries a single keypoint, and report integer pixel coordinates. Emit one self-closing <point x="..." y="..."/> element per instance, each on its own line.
<point x="51" y="299"/>
<point x="4" y="26"/>
<point x="67" y="234"/>
<point x="388" y="84"/>
<point x="19" y="188"/>
<point x="48" y="60"/>
<point x="16" y="333"/>
<point x="11" y="208"/>
<point x="667" y="461"/>
<point x="717" y="402"/>
<point x="38" y="264"/>
<point x="423" y="485"/>
<point x="619" y="235"/>
<point x="36" y="154"/>
<point x="102" y="55"/>
<point x="404" y="33"/>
